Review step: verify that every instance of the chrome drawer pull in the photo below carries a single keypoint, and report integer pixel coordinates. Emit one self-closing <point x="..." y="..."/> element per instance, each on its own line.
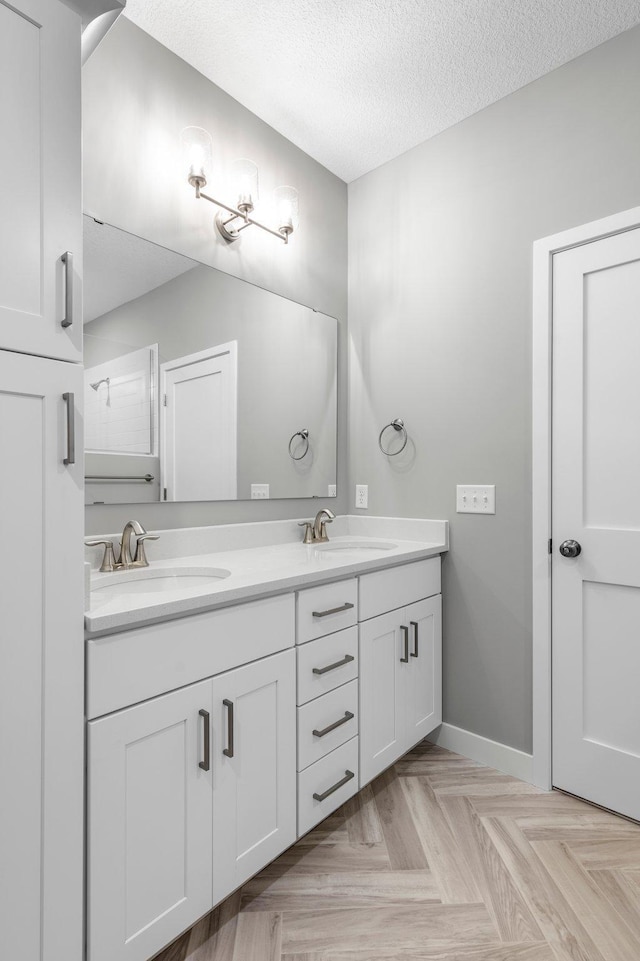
<point x="405" y="637"/>
<point x="206" y="764"/>
<point x="67" y="260"/>
<point x="331" y="667"/>
<point x="348" y="775"/>
<point x="334" y="610"/>
<point x="228" y="751"/>
<point x="414" y="625"/>
<point x="348" y="716"/>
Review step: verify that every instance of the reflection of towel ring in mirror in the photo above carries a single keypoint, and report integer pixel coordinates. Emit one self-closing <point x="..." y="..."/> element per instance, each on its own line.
<point x="304" y="433"/>
<point x="398" y="425"/>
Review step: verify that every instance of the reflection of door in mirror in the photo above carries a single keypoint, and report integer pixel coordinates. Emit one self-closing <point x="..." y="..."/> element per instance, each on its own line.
<point x="199" y="418"/>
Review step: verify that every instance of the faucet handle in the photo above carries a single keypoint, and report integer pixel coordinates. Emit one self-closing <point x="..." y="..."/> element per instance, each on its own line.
<point x="140" y="558"/>
<point x="108" y="559"/>
<point x="308" y="531"/>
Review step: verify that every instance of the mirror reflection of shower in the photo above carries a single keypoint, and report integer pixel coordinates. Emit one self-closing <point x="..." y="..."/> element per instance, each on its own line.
<point x="107" y="381"/>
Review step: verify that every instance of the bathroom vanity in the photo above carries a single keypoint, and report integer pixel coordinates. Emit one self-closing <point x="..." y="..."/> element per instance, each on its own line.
<point x="226" y="720"/>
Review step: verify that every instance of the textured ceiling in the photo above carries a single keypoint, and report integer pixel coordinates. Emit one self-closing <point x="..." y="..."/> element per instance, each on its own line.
<point x="354" y="83"/>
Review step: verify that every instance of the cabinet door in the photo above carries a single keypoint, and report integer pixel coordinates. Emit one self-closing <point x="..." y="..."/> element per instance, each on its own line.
<point x="40" y="179"/>
<point x="382" y="683"/>
<point x="149" y="824"/>
<point x="41" y="663"/>
<point x="423" y="700"/>
<point x="254" y="768"/>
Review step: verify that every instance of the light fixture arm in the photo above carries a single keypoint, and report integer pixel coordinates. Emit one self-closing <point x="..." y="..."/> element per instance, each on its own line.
<point x="282" y="234"/>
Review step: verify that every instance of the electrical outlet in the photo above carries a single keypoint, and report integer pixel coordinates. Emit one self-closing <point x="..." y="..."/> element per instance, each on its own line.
<point x="476" y="499"/>
<point x="332" y="490"/>
<point x="362" y="496"/>
<point x="259" y="492"/>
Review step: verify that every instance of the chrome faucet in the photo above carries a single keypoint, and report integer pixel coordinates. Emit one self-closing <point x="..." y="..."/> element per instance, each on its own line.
<point x="139" y="559"/>
<point x="323" y="517"/>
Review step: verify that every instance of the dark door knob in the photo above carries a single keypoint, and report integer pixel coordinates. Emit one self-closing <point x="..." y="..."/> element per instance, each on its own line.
<point x="570" y="549"/>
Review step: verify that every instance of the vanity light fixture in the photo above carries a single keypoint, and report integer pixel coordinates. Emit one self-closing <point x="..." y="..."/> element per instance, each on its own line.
<point x="230" y="221"/>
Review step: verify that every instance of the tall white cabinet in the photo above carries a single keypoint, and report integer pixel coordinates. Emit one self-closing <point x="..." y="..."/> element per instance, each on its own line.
<point x="41" y="485"/>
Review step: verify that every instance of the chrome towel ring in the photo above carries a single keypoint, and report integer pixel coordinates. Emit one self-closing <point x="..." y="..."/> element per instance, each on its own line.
<point x="398" y="425"/>
<point x="304" y="433"/>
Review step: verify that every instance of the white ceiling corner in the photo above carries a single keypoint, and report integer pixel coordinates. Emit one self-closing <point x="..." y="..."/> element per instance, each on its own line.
<point x="355" y="83"/>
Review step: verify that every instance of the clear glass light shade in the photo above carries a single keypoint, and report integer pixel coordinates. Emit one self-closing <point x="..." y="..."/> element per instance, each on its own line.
<point x="244" y="177"/>
<point x="286" y="204"/>
<point x="197" y="154"/>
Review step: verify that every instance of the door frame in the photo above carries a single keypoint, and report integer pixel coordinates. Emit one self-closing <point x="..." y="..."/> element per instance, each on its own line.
<point x="541" y="421"/>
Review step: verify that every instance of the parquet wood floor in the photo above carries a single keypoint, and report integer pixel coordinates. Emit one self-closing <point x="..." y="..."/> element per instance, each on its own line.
<point x="439" y="859"/>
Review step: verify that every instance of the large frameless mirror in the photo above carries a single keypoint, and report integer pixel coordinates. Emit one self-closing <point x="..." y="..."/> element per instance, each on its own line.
<point x="200" y="386"/>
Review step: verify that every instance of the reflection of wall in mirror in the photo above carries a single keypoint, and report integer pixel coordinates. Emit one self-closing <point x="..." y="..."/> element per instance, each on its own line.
<point x="286" y="368"/>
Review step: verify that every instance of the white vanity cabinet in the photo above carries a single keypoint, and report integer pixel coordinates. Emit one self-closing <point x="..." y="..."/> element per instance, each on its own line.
<point x="400" y="663"/>
<point x="192" y="792"/>
<point x="40" y="182"/>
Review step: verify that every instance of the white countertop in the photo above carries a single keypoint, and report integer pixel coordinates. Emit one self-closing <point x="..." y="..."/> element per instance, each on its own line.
<point x="264" y="570"/>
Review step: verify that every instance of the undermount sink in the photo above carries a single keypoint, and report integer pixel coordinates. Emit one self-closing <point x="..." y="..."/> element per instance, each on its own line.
<point x="155" y="581"/>
<point x="355" y="546"/>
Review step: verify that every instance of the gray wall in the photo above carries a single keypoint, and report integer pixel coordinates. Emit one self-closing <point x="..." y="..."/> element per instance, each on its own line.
<point x="137" y="96"/>
<point x="279" y="391"/>
<point x="440" y="251"/>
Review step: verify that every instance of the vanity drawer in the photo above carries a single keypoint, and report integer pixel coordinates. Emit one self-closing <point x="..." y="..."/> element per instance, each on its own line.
<point x="335" y="656"/>
<point x="386" y="590"/>
<point x="334" y="718"/>
<point x="323" y="610"/>
<point x="330" y="780"/>
<point x="129" y="667"/>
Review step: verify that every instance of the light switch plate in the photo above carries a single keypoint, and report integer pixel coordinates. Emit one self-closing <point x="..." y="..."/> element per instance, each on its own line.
<point x="259" y="492"/>
<point x="332" y="490"/>
<point x="476" y="498"/>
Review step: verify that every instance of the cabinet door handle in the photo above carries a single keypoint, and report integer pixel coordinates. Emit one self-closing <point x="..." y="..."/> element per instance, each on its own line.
<point x="348" y="775"/>
<point x="70" y="399"/>
<point x="334" y="610"/>
<point x="405" y="638"/>
<point x="67" y="260"/>
<point x="206" y="764"/>
<point x="331" y="667"/>
<point x="228" y="751"/>
<point x="414" y="625"/>
<point x="348" y="716"/>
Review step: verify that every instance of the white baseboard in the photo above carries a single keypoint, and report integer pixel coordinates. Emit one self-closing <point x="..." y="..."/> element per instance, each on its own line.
<point x="500" y="756"/>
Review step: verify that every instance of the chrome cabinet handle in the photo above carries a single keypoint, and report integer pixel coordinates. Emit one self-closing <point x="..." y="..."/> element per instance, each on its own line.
<point x="348" y="775"/>
<point x="331" y="667"/>
<point x="348" y="716"/>
<point x="405" y="636"/>
<point x="69" y="399"/>
<point x="414" y="625"/>
<point x="206" y="764"/>
<point x="67" y="260"/>
<point x="228" y="751"/>
<point x="334" y="610"/>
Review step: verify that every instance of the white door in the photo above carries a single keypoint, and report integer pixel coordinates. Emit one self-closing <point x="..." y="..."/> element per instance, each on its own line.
<point x="596" y="503"/>
<point x="40" y="179"/>
<point x="149" y="824"/>
<point x="199" y="436"/>
<point x="254" y="768"/>
<point x="41" y="660"/>
<point x="423" y="699"/>
<point x="384" y="662"/>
